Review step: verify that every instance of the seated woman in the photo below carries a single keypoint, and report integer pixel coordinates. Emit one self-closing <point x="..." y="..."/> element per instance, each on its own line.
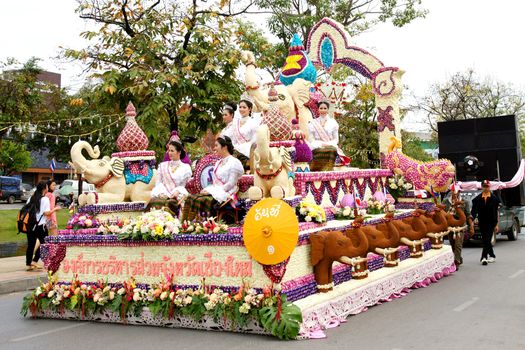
<point x="226" y="173"/>
<point x="324" y="140"/>
<point x="242" y="131"/>
<point x="172" y="176"/>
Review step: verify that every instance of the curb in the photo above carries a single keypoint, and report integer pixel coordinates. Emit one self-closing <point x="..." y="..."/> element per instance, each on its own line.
<point x="21" y="284"/>
<point x="9" y="249"/>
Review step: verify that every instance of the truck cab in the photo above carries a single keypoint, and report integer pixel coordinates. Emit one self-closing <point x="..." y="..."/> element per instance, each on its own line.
<point x="510" y="217"/>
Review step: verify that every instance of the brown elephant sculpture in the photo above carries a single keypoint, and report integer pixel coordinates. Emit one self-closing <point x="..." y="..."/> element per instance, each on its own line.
<point x="437" y="225"/>
<point x="383" y="239"/>
<point x="330" y="246"/>
<point x="412" y="230"/>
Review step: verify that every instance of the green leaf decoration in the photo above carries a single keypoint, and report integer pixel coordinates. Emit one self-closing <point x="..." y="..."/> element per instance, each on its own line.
<point x="289" y="323"/>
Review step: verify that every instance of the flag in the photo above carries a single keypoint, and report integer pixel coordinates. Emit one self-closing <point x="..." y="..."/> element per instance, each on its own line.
<point x="420" y="193"/>
<point x="454" y="187"/>
<point x="52" y="165"/>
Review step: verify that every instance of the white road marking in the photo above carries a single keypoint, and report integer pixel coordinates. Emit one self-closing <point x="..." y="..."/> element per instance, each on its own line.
<point x="49" y="332"/>
<point x="466" y="304"/>
<point x="517" y="273"/>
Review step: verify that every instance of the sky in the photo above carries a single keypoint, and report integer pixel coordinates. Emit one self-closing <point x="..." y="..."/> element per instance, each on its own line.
<point x="487" y="36"/>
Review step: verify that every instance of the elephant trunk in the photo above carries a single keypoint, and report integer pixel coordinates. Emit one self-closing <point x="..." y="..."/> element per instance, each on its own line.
<point x="78" y="159"/>
<point x="263" y="145"/>
<point x="254" y="90"/>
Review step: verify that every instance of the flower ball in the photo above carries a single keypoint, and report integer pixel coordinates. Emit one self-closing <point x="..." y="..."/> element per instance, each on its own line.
<point x="347" y="200"/>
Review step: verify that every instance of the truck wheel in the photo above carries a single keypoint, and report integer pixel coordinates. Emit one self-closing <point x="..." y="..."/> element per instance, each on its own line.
<point x="11" y="199"/>
<point x="514" y="231"/>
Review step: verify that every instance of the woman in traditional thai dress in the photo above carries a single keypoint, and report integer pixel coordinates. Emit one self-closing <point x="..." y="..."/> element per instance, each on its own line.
<point x="172" y="175"/>
<point x="228" y="112"/>
<point x="175" y="137"/>
<point x="243" y="132"/>
<point x="226" y="174"/>
<point x="324" y="140"/>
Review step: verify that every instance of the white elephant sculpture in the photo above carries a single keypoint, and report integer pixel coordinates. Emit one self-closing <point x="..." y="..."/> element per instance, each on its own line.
<point x="295" y="95"/>
<point x="107" y="174"/>
<point x="272" y="169"/>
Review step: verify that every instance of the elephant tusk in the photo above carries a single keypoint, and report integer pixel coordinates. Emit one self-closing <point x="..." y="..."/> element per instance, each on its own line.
<point x="346" y="260"/>
<point x="406" y="241"/>
<point x="386" y="251"/>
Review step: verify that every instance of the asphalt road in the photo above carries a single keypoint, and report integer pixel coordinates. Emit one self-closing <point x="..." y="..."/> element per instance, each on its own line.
<point x="479" y="307"/>
<point x="7" y="206"/>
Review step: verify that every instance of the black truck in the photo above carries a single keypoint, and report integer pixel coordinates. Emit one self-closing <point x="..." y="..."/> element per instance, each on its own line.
<point x="487" y="148"/>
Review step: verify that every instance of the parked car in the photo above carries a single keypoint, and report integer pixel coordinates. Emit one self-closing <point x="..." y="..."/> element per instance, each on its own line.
<point x="68" y="191"/>
<point x="10" y="189"/>
<point x="510" y="217"/>
<point x="27" y="191"/>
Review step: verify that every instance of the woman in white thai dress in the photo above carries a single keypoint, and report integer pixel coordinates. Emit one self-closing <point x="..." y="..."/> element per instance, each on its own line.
<point x="242" y="133"/>
<point x="226" y="174"/>
<point x="324" y="140"/>
<point x="172" y="175"/>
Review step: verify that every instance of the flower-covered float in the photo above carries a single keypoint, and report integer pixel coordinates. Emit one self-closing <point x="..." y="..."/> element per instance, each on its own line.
<point x="297" y="264"/>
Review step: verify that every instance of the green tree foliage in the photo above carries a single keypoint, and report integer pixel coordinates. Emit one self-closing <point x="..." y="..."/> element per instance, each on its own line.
<point x="21" y="97"/>
<point x="299" y="16"/>
<point x="14" y="157"/>
<point x="412" y="147"/>
<point x="163" y="56"/>
<point x="358" y="136"/>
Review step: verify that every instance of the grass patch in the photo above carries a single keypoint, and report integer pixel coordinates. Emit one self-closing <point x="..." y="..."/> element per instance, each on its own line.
<point x="8" y="230"/>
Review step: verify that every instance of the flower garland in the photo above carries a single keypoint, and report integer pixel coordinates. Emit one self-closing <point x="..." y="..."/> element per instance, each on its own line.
<point x="308" y="212"/>
<point x="271" y="309"/>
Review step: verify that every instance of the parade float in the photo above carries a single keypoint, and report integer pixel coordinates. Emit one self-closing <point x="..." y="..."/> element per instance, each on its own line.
<point x="313" y="248"/>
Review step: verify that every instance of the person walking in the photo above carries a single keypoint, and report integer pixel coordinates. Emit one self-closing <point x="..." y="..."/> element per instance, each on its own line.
<point x="41" y="209"/>
<point x="52" y="225"/>
<point x="485" y="208"/>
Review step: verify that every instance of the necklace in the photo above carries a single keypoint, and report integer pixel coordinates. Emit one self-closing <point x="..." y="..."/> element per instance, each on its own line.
<point x="174" y="165"/>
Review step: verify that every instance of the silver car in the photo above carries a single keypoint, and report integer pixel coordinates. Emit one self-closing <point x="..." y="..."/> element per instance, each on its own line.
<point x="27" y="191"/>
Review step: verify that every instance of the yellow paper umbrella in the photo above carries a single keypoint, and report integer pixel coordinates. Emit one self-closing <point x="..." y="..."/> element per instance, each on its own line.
<point x="270" y="231"/>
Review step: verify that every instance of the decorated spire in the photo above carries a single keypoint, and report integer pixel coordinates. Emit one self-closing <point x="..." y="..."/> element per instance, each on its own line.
<point x="278" y="124"/>
<point x="132" y="138"/>
<point x="298" y="64"/>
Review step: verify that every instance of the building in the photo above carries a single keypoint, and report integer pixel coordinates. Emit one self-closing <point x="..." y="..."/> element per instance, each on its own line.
<point x="40" y="169"/>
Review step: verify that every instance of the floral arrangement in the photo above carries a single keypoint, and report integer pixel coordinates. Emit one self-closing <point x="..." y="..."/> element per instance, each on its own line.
<point x="309" y="211"/>
<point x="398" y="186"/>
<point x="375" y="207"/>
<point x="271" y="309"/>
<point x="151" y="226"/>
<point x="347" y="213"/>
<point x="112" y="227"/>
<point x="209" y="225"/>
<point x="80" y="221"/>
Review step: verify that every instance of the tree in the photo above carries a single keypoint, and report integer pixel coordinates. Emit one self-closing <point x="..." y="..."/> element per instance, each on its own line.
<point x="299" y="16"/>
<point x="163" y="56"/>
<point x="412" y="147"/>
<point x="358" y="134"/>
<point x="14" y="157"/>
<point x="21" y="97"/>
<point x="466" y="96"/>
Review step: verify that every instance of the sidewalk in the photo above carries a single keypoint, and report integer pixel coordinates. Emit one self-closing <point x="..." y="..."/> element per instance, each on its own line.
<point x="15" y="278"/>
